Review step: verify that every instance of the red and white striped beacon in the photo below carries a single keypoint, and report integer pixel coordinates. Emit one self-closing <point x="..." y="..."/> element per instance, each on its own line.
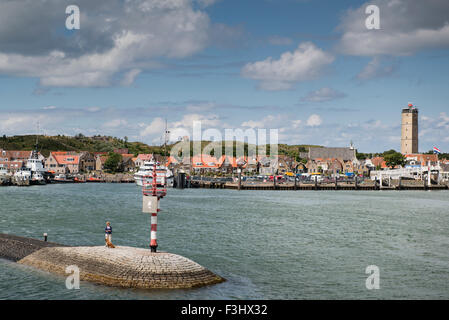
<point x="154" y="188"/>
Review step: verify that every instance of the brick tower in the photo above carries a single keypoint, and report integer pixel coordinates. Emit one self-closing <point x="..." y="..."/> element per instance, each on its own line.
<point x="409" y="141"/>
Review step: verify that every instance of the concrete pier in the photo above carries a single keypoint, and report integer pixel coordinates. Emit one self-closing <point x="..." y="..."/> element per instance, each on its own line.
<point x="122" y="266"/>
<point x="16" y="248"/>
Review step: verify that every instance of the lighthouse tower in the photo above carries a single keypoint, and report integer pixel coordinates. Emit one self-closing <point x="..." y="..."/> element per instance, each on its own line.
<point x="409" y="141"/>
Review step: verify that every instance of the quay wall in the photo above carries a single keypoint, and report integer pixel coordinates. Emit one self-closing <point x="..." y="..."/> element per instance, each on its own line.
<point x="367" y="186"/>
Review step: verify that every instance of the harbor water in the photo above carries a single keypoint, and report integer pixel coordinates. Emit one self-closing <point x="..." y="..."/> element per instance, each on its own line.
<point x="267" y="244"/>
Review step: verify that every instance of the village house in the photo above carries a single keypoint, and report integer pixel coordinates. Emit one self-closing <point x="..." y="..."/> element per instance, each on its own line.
<point x="348" y="167"/>
<point x="335" y="167"/>
<point x="141" y="158"/>
<point x="252" y="165"/>
<point x="87" y="161"/>
<point x="268" y="165"/>
<point x="318" y="165"/>
<point x="312" y="166"/>
<point x="205" y="163"/>
<point x="63" y="162"/>
<point x="3" y="156"/>
<point x="362" y="169"/>
<point x="379" y="163"/>
<point x="14" y="155"/>
<point x="301" y="168"/>
<point x="444" y="173"/>
<point x="286" y="164"/>
<point x="345" y="154"/>
<point x="128" y="165"/>
<point x="11" y="166"/>
<point x="422" y="159"/>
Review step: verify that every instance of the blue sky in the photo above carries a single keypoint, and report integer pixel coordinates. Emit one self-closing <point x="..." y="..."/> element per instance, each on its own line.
<point x="310" y="69"/>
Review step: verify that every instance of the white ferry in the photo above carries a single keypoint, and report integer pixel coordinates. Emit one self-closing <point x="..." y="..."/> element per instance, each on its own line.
<point x="147" y="170"/>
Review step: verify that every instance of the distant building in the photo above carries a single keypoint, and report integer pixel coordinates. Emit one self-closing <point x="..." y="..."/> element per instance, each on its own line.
<point x="444" y="171"/>
<point x="87" y="161"/>
<point x="421" y="159"/>
<point x="141" y="158"/>
<point x="345" y="154"/>
<point x="3" y="156"/>
<point x="63" y="162"/>
<point x="100" y="159"/>
<point x="13" y="155"/>
<point x="128" y="165"/>
<point x="11" y="166"/>
<point x="409" y="140"/>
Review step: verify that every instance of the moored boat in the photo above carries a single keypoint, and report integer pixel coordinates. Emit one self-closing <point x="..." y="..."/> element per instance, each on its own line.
<point x="146" y="172"/>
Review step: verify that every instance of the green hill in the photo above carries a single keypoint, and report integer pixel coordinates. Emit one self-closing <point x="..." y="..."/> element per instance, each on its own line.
<point x="108" y="144"/>
<point x="77" y="143"/>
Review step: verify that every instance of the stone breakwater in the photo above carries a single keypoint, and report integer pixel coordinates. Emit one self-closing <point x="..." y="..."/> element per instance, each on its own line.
<point x="122" y="266"/>
<point x="15" y="248"/>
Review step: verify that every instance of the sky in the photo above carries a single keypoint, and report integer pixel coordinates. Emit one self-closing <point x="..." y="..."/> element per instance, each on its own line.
<point x="309" y="68"/>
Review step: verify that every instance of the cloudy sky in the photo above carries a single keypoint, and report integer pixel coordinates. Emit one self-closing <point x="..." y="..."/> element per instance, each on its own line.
<point x="309" y="68"/>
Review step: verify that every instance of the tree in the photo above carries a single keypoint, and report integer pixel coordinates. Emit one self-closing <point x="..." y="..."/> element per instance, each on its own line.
<point x="114" y="162"/>
<point x="393" y="159"/>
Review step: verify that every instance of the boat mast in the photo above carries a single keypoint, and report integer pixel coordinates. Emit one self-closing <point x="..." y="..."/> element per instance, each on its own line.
<point x="34" y="152"/>
<point x="165" y="138"/>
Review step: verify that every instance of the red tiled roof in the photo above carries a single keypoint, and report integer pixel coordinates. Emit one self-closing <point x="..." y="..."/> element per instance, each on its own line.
<point x="64" y="158"/>
<point x="11" y="164"/>
<point x="424" y="158"/>
<point x="204" y="161"/>
<point x="13" y="154"/>
<point x="145" y="156"/>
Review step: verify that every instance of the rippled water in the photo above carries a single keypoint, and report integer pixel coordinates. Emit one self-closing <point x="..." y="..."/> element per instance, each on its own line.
<point x="267" y="244"/>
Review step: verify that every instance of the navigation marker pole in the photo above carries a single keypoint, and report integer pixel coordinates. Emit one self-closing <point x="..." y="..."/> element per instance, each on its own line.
<point x="152" y="193"/>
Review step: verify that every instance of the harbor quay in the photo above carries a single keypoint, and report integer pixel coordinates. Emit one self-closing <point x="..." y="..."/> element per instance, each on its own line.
<point x="368" y="185"/>
<point x="122" y="266"/>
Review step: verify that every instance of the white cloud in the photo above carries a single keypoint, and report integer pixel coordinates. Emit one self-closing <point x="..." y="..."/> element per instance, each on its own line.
<point x="141" y="32"/>
<point x="314" y="120"/>
<point x="307" y="62"/>
<point x="296" y="123"/>
<point x="20" y="123"/>
<point x="207" y="3"/>
<point x="406" y="27"/>
<point x="115" y="123"/>
<point x="130" y="76"/>
<point x="156" y="127"/>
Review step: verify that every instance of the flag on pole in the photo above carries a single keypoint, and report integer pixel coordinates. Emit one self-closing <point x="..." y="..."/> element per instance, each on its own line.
<point x="436" y="150"/>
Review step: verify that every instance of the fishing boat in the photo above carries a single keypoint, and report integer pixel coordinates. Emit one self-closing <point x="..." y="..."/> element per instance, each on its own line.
<point x="22" y="176"/>
<point x="146" y="172"/>
<point x="5" y="176"/>
<point x="39" y="174"/>
<point x="37" y="178"/>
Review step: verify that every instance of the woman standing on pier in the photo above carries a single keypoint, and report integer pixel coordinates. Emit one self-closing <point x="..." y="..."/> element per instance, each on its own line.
<point x="108" y="233"/>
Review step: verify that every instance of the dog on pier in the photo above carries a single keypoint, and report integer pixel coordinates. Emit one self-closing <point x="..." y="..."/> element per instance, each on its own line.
<point x="109" y="244"/>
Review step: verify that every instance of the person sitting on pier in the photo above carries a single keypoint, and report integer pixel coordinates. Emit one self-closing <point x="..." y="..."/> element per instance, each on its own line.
<point x="108" y="235"/>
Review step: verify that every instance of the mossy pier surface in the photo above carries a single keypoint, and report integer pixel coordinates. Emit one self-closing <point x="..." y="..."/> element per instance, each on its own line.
<point x="122" y="266"/>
